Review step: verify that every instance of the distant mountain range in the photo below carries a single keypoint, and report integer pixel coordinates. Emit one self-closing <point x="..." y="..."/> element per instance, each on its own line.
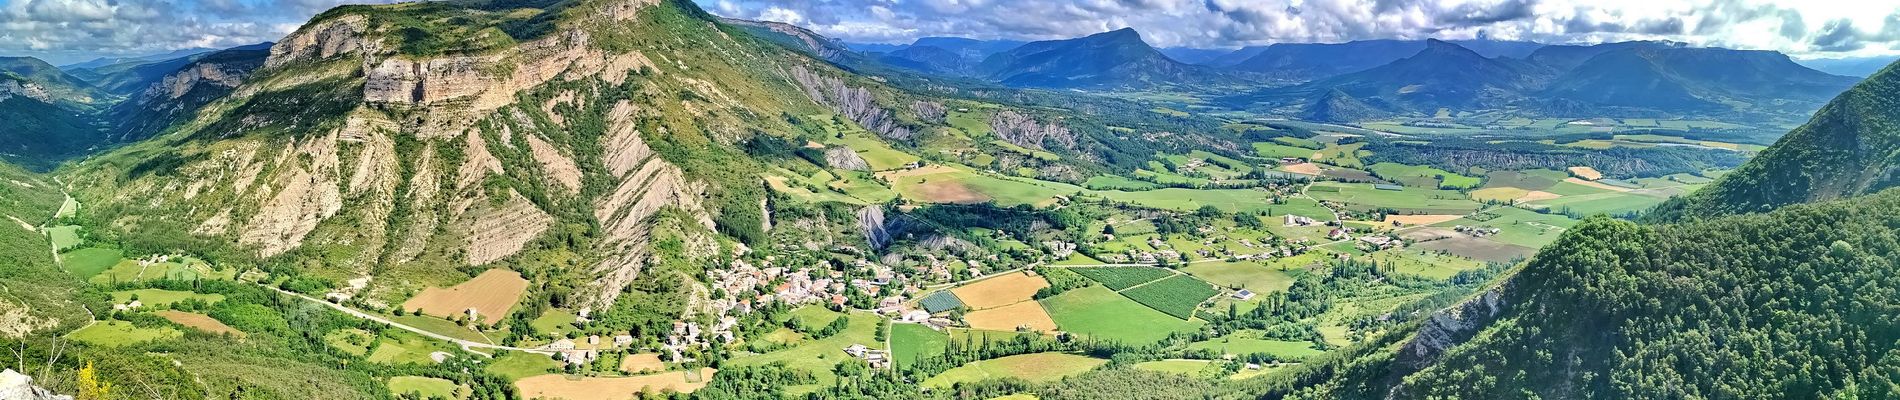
<point x="1852" y="66"/>
<point x="1116" y="58"/>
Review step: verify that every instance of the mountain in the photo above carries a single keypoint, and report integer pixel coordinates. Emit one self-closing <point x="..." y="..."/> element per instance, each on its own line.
<point x="76" y="68"/>
<point x="1441" y="75"/>
<point x="974" y="49"/>
<point x="1116" y="58"/>
<point x="1192" y="55"/>
<point x="1567" y="57"/>
<point x="46" y="115"/>
<point x="1305" y="61"/>
<point x="177" y="89"/>
<point x="127" y="77"/>
<point x="1850" y="66"/>
<point x="1684" y="79"/>
<point x="1848" y="148"/>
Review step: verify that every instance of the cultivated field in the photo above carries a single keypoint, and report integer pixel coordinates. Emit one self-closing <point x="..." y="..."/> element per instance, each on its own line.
<point x="1245" y="275"/>
<point x="1177" y="296"/>
<point x="1000" y="290"/>
<point x="1101" y="313"/>
<point x="1009" y="318"/>
<point x="200" y="322"/>
<point x="556" y="386"/>
<point x="1118" y="278"/>
<point x="424" y="387"/>
<point x="1039" y="367"/>
<point x="1420" y="219"/>
<point x="1586" y="173"/>
<point x="160" y="298"/>
<point x="642" y="362"/>
<point x="492" y="294"/>
<point x="113" y="333"/>
<point x="1243" y="345"/>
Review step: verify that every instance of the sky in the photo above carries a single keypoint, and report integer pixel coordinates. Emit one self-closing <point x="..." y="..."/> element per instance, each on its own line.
<point x="67" y="31"/>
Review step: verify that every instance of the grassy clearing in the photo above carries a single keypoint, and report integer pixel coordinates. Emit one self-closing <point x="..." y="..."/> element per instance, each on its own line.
<point x="1101" y="313"/>
<point x="1184" y="367"/>
<point x="1242" y="275"/>
<point x="397" y="349"/>
<point x="1118" y="278"/>
<point x="64" y="237"/>
<point x="1179" y="199"/>
<point x="1178" y="296"/>
<point x="555" y="321"/>
<point x="1519" y="226"/>
<point x="441" y="326"/>
<point x="111" y="333"/>
<point x="160" y="298"/>
<point x="881" y="156"/>
<point x="821" y="355"/>
<point x="424" y="387"/>
<point x="515" y="365"/>
<point x="1118" y="182"/>
<point x="1423" y="176"/>
<point x="1039" y="367"/>
<point x="1429" y="264"/>
<point x="1289" y="350"/>
<point x="1611" y="203"/>
<point x="87" y="262"/>
<point x="351" y="340"/>
<point x="1277" y="151"/>
<point x="1408" y="200"/>
<point x="912" y="342"/>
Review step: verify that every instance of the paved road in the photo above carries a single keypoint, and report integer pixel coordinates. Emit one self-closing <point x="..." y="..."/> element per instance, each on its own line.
<point x="469" y="345"/>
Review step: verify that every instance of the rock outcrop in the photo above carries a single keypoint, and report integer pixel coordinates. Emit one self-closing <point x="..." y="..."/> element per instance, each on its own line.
<point x="1449" y="328"/>
<point x="1022" y="130"/>
<point x="496" y="232"/>
<point x="855" y="103"/>
<point x="11" y="88"/>
<point x="18" y="386"/>
<point x="843" y="157"/>
<point x="929" y="111"/>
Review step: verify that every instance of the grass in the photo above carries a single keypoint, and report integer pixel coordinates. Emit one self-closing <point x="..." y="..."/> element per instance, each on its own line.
<point x="1103" y="314"/>
<point x="558" y="322"/>
<point x="1520" y="227"/>
<point x="960" y="185"/>
<point x="353" y="341"/>
<point x="1038" y="367"/>
<point x="161" y="298"/>
<point x="87" y="262"/>
<point x="423" y="386"/>
<point x="178" y="268"/>
<point x="1408" y="199"/>
<point x="1178" y="296"/>
<point x="819" y="356"/>
<point x="1118" y="278"/>
<point x="441" y="327"/>
<point x="515" y="365"/>
<point x="64" y="237"/>
<point x="1427" y="264"/>
<point x="1179" y="199"/>
<point x="1118" y="182"/>
<point x="912" y="342"/>
<point x="1612" y="203"/>
<point x="112" y="333"/>
<point x="403" y="349"/>
<point x="1243" y="274"/>
<point x="1424" y="176"/>
<point x="881" y="156"/>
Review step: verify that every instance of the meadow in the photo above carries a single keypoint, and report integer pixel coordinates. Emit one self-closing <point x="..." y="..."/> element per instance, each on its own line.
<point x="1038" y="367"/>
<point x="1098" y="312"/>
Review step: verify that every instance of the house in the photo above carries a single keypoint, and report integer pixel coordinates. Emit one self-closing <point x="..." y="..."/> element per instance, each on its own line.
<point x="563" y="344"/>
<point x="917" y="316"/>
<point x="1243" y="294"/>
<point x="623" y="340"/>
<point x="856" y="350"/>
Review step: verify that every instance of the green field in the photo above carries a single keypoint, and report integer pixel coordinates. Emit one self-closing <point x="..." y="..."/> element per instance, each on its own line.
<point x="87" y="262"/>
<point x="159" y="298"/>
<point x="1286" y="350"/>
<point x="554" y="321"/>
<point x="1612" y="203"/>
<point x="1241" y="274"/>
<point x="1101" y="313"/>
<point x="1039" y="367"/>
<point x="1539" y="179"/>
<point x="351" y="340"/>
<point x="64" y="237"/>
<point x="881" y="156"/>
<point x="1118" y="182"/>
<point x="111" y="333"/>
<point x="516" y="365"/>
<point x="1519" y="226"/>
<point x="1178" y="296"/>
<point x="1118" y="278"/>
<point x="404" y="348"/>
<point x="1409" y="199"/>
<point x="1178" y="199"/>
<point x="441" y="326"/>
<point x="178" y="268"/>
<point x="820" y="355"/>
<point x="1423" y="176"/>
<point x="912" y="342"/>
<point x="423" y="386"/>
<point x="1429" y="264"/>
<point x="1278" y="151"/>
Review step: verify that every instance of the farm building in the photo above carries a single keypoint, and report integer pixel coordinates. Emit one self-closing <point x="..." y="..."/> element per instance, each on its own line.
<point x="1243" y="294"/>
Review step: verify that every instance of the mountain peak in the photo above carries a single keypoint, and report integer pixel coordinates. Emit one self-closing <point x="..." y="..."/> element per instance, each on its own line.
<point x="1118" y="34"/>
<point x="1440" y="47"/>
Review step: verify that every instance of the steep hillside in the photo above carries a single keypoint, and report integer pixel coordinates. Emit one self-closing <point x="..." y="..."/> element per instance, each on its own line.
<point x="1691" y="79"/>
<point x="1111" y="59"/>
<point x="45" y="115"/>
<point x="375" y="144"/>
<point x="178" y="89"/>
<point x="1849" y="148"/>
<point x="128" y="77"/>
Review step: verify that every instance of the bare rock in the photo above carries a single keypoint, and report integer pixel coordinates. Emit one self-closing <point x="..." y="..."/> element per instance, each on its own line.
<point x="1022" y="130"/>
<point x="855" y="103"/>
<point x="342" y="35"/>
<point x="18" y="386"/>
<point x="842" y="157"/>
<point x="929" y="111"/>
<point x="1450" y="327"/>
<point x="497" y="232"/>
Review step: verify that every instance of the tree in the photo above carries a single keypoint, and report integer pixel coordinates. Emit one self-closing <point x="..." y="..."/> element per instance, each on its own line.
<point x="90" y="387"/>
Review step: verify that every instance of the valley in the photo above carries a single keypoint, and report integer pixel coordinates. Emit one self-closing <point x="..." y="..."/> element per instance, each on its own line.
<point x="632" y="199"/>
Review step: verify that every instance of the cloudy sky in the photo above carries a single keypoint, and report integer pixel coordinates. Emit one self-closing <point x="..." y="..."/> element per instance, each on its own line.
<point x="65" y="31"/>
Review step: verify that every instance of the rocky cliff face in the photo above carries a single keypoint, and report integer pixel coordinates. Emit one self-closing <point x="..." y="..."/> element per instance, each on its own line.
<point x="1451" y="327"/>
<point x="17" y="386"/>
<point x="855" y="103"/>
<point x="1025" y="131"/>
<point x="11" y="88"/>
